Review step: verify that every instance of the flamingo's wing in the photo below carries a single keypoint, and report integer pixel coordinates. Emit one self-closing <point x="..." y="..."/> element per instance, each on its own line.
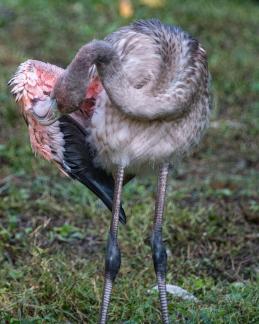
<point x="32" y="81"/>
<point x="78" y="162"/>
<point x="32" y="84"/>
<point x="63" y="142"/>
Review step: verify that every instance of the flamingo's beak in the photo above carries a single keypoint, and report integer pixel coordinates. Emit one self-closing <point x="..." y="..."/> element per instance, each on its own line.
<point x="46" y="111"/>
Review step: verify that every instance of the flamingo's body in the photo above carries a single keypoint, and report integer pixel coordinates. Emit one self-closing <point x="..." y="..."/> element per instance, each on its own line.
<point x="142" y="98"/>
<point x="152" y="66"/>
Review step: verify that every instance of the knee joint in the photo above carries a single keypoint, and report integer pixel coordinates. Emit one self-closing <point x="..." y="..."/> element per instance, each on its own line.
<point x="159" y="253"/>
<point x="113" y="258"/>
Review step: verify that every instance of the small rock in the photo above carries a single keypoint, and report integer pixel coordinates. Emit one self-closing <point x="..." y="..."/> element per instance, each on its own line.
<point x="177" y="292"/>
<point x="238" y="285"/>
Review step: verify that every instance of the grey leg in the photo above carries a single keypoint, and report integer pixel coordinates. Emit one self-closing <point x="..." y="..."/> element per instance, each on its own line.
<point x="158" y="248"/>
<point x="113" y="257"/>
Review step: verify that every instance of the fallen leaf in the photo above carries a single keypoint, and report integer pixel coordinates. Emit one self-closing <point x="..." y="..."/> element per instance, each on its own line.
<point x="126" y="8"/>
<point x="153" y="3"/>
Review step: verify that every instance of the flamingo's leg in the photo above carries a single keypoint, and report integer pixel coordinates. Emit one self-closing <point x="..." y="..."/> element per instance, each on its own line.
<point x="113" y="257"/>
<point x="158" y="248"/>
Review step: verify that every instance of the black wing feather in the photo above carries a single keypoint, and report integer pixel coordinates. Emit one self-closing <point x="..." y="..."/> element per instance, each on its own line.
<point x="78" y="163"/>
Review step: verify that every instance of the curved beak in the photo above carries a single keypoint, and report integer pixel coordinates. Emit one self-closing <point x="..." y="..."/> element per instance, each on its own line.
<point x="46" y="112"/>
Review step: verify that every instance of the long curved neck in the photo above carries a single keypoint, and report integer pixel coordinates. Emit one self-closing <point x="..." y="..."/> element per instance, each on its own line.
<point x="172" y="103"/>
<point x="70" y="88"/>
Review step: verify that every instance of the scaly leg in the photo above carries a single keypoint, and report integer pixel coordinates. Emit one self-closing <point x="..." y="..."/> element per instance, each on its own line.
<point x="158" y="248"/>
<point x="113" y="257"/>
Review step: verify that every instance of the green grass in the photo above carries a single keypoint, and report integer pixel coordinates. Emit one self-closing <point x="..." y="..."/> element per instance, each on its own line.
<point x="53" y="231"/>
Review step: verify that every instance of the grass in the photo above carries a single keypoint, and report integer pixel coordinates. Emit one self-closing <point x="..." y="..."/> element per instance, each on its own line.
<point x="53" y="231"/>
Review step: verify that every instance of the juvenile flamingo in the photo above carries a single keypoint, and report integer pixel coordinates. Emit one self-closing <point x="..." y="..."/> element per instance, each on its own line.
<point x="149" y="92"/>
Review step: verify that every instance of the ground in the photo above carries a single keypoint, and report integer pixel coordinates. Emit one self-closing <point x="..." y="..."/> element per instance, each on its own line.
<point x="53" y="231"/>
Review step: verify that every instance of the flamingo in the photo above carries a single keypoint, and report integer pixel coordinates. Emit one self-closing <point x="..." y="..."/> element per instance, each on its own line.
<point x="140" y="100"/>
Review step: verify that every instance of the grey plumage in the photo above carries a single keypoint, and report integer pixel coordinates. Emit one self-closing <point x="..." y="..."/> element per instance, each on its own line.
<point x="155" y="105"/>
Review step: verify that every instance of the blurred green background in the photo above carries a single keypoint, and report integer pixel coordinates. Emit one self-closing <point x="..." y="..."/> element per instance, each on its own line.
<point x="53" y="231"/>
